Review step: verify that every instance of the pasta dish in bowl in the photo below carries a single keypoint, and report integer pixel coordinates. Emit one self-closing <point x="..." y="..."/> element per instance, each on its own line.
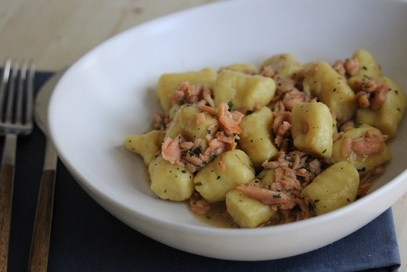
<point x="111" y="93"/>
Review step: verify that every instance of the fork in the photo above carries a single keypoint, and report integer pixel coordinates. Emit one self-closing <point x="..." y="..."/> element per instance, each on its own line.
<point x="16" y="108"/>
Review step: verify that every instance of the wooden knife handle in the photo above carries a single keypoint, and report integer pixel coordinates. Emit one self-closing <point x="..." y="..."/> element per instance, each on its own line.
<point x="6" y="201"/>
<point x="38" y="259"/>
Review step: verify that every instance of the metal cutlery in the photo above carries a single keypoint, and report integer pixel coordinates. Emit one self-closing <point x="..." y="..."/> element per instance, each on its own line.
<point x="16" y="104"/>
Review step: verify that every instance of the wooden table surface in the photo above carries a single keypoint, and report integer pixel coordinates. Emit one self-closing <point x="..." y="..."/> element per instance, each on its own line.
<point x="56" y="33"/>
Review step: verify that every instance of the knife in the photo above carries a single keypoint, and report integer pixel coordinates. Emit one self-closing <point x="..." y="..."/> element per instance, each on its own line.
<point x="38" y="258"/>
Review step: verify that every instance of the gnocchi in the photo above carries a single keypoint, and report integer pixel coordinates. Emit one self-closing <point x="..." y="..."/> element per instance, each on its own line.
<point x="242" y="90"/>
<point x="334" y="188"/>
<point x="312" y="128"/>
<point x="274" y="143"/>
<point x="256" y="137"/>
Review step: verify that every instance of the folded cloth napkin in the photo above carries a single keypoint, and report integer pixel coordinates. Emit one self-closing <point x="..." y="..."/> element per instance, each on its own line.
<point x="87" y="238"/>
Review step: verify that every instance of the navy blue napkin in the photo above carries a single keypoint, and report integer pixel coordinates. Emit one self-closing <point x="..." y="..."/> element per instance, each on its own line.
<point x="87" y="238"/>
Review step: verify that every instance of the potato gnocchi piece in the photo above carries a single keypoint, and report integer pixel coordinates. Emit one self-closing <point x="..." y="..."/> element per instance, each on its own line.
<point x="322" y="81"/>
<point x="173" y="111"/>
<point x="285" y="65"/>
<point x="170" y="181"/>
<point x="146" y="145"/>
<point x="377" y="151"/>
<point x="185" y="123"/>
<point x="224" y="174"/>
<point x="312" y="127"/>
<point x="388" y="116"/>
<point x="266" y="178"/>
<point x="243" y="91"/>
<point x="368" y="67"/>
<point x="334" y="188"/>
<point x="167" y="83"/>
<point x="257" y="135"/>
<point x="245" y="68"/>
<point x="247" y="212"/>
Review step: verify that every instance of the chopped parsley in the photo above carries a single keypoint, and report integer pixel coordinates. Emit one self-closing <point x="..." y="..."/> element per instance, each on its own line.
<point x="198" y="150"/>
<point x="362" y="169"/>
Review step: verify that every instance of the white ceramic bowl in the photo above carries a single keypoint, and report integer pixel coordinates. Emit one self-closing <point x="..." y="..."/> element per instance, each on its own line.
<point x="108" y="94"/>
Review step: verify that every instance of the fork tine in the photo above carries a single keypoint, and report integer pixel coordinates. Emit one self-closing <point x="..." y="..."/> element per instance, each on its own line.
<point x="3" y="84"/>
<point x="6" y="69"/>
<point x="11" y="93"/>
<point x="25" y="79"/>
<point x="30" y="93"/>
<point x="6" y="73"/>
<point x="20" y="93"/>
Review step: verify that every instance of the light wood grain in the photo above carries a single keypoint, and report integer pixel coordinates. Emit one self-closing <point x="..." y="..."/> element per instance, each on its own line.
<point x="57" y="33"/>
<point x="38" y="259"/>
<point x="6" y="200"/>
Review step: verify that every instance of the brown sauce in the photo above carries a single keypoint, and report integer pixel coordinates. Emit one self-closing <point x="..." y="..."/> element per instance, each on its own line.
<point x="217" y="217"/>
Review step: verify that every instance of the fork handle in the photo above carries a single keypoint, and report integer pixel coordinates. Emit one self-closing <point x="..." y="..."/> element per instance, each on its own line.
<point x="38" y="260"/>
<point x="6" y="196"/>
